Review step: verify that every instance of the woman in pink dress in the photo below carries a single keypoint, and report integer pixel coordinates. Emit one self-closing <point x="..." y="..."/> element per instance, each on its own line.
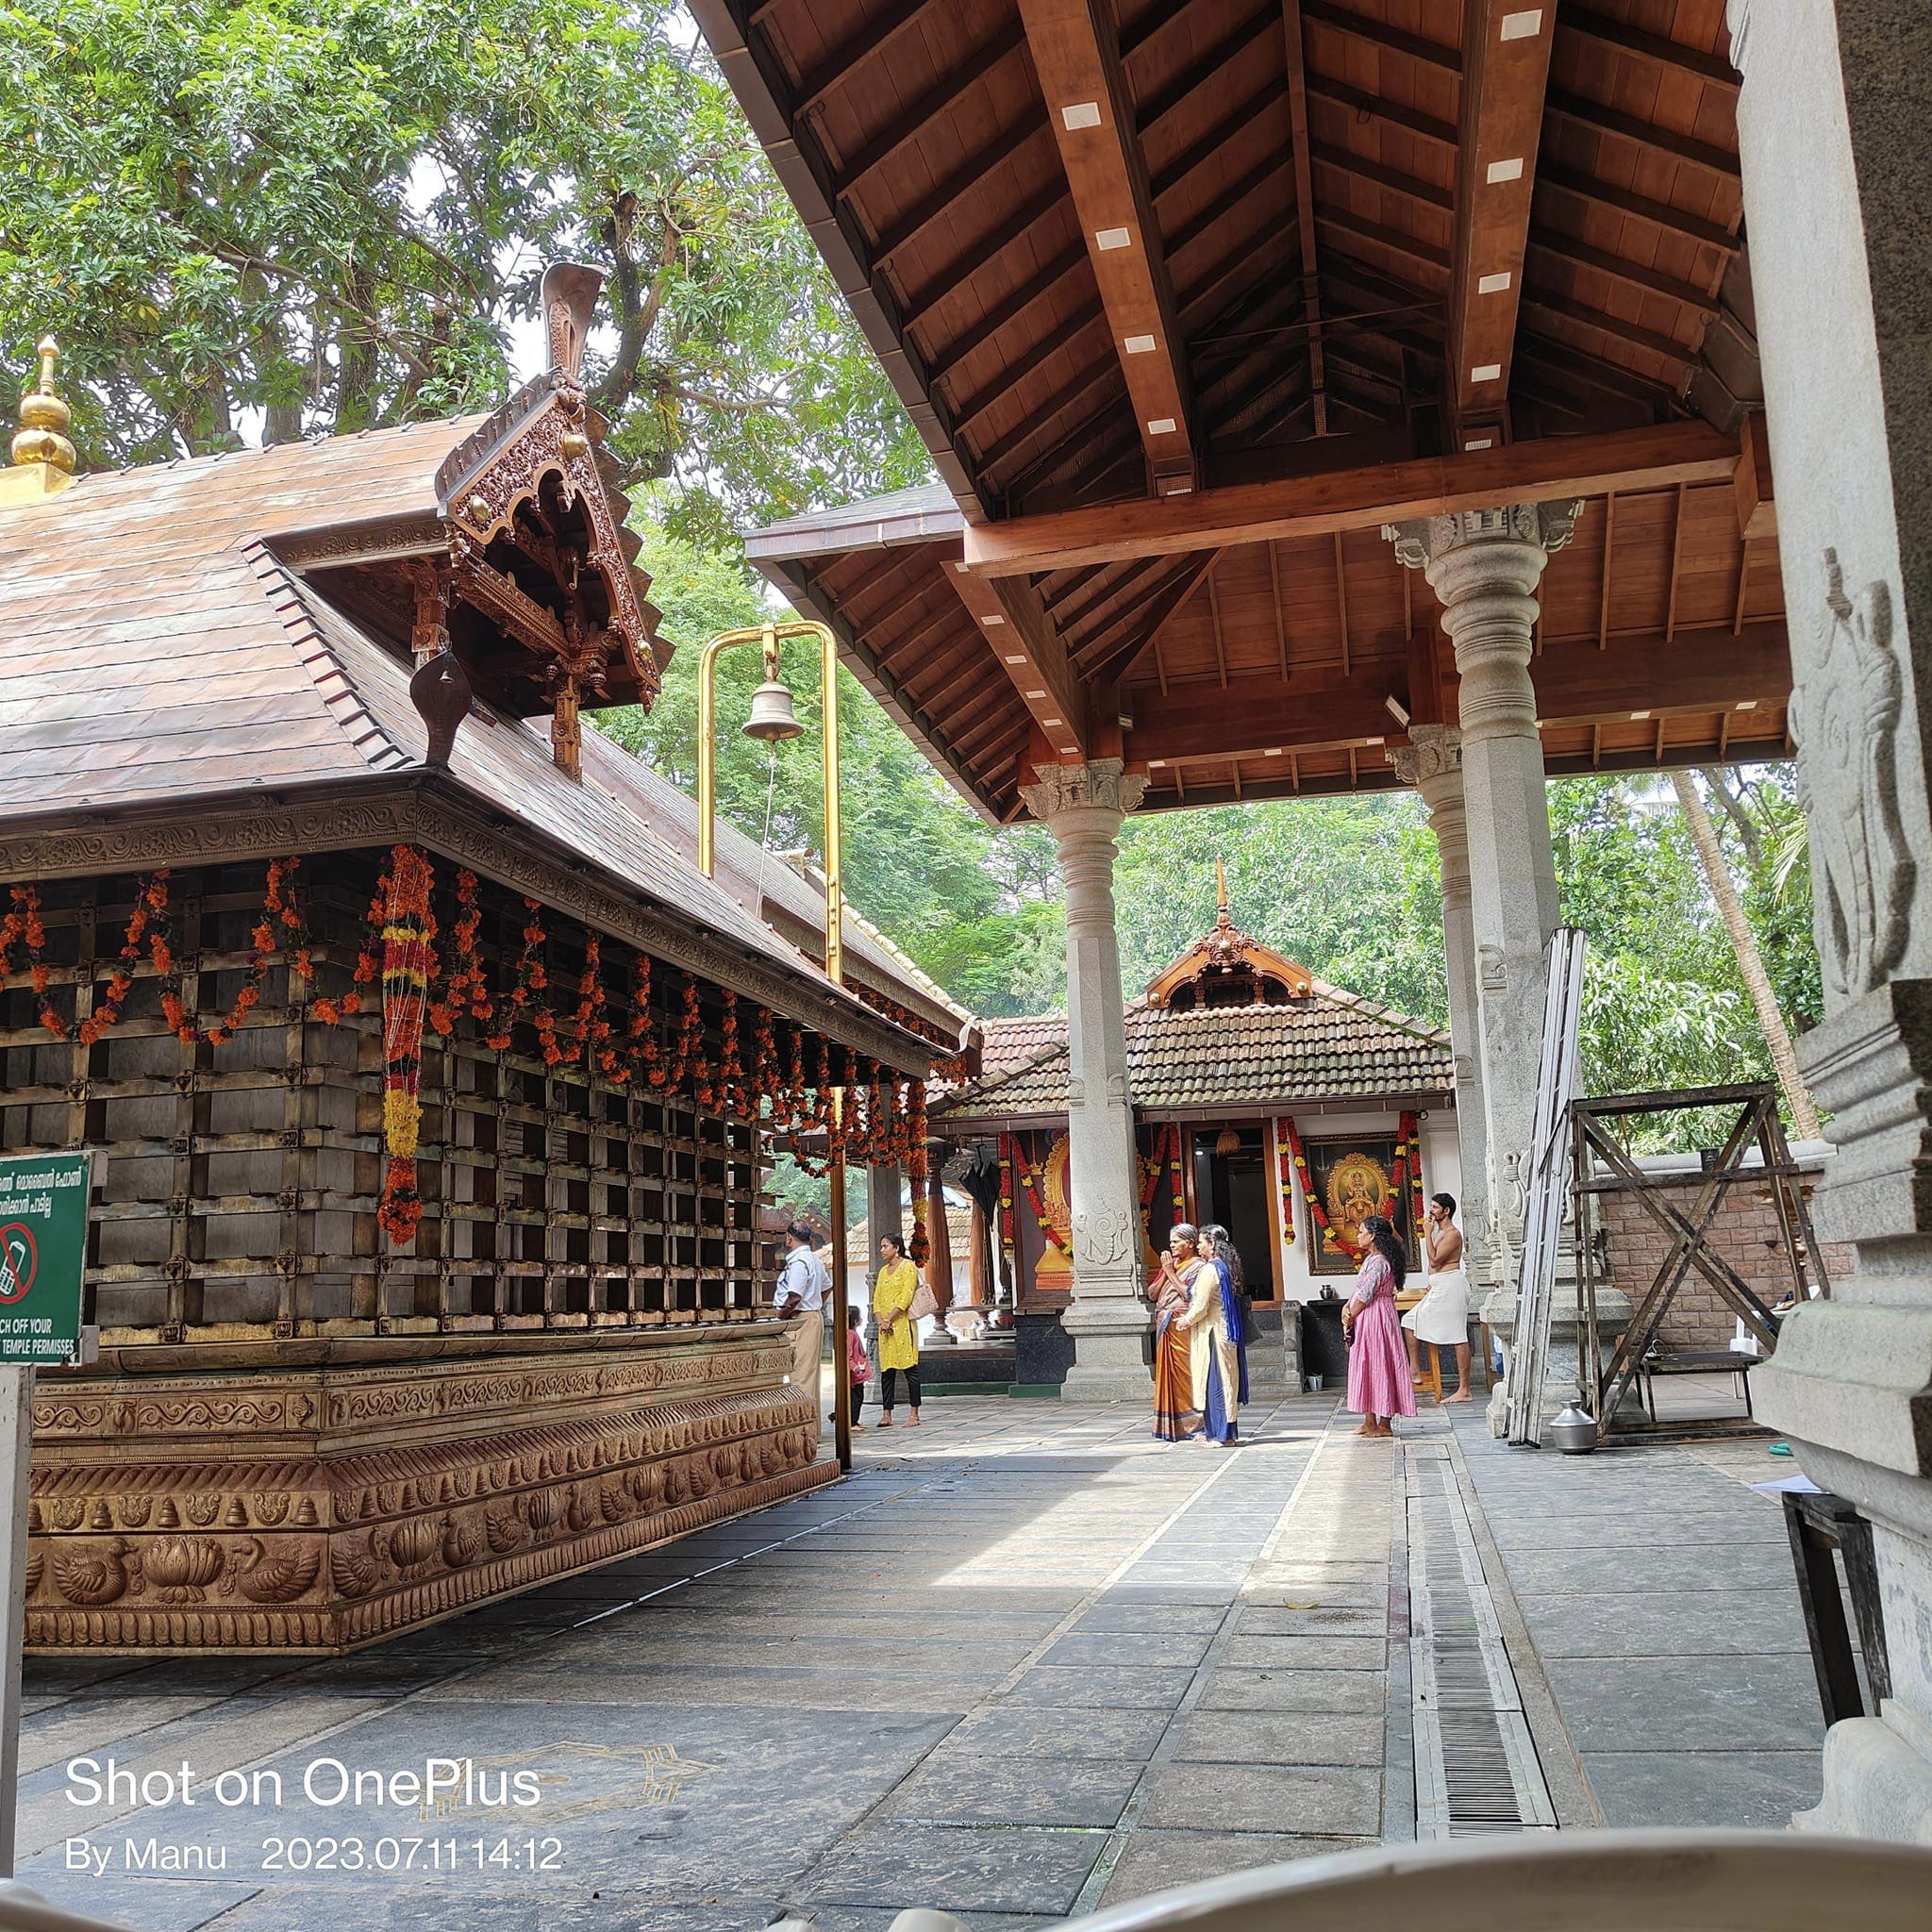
<point x="1380" y="1385"/>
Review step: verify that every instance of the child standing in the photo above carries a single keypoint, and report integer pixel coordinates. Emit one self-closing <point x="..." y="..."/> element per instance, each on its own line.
<point x="856" y="1355"/>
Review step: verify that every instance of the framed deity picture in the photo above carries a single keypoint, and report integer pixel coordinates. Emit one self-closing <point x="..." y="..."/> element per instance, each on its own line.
<point x="1353" y="1177"/>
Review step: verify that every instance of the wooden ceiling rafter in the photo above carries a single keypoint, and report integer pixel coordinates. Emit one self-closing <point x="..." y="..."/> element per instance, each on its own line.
<point x="1713" y="70"/>
<point x="1341" y="161"/>
<point x="906" y="127"/>
<point x="1380" y="108"/>
<point x="970" y="174"/>
<point x="1004" y="312"/>
<point x="1187" y="580"/>
<point x="1192" y="78"/>
<point x="1241" y="114"/>
<point x="1294" y="51"/>
<point x="839" y="67"/>
<point x="1583" y="466"/>
<point x="1076" y="57"/>
<point x="1382" y="34"/>
<point x="1587" y="188"/>
<point x="984" y="250"/>
<point x="971" y="409"/>
<point x="1506" y="64"/>
<point x="1030" y="651"/>
<point x="1719" y="164"/>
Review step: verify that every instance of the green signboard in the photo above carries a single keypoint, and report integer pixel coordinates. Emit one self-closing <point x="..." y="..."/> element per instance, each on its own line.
<point x="43" y="1210"/>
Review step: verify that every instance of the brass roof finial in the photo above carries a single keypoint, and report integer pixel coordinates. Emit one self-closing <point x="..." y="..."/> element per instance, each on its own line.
<point x="44" y="419"/>
<point x="1221" y="914"/>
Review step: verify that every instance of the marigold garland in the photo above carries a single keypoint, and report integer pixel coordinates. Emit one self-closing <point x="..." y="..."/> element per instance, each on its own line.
<point x="407" y="967"/>
<point x="918" y="1168"/>
<point x="1007" y="1228"/>
<point x="1030" y="1179"/>
<point x="23" y="926"/>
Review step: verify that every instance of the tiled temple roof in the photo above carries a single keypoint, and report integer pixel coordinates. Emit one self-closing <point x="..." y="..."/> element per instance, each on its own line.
<point x="159" y="650"/>
<point x="1331" y="1045"/>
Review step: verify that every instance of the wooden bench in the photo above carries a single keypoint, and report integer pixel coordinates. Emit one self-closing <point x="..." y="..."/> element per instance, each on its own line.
<point x="1709" y="1362"/>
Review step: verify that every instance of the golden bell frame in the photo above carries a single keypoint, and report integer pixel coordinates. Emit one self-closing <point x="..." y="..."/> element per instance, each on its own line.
<point x="769" y="717"/>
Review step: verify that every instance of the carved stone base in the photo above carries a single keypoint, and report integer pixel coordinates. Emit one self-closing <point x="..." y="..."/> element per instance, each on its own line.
<point x="313" y="1510"/>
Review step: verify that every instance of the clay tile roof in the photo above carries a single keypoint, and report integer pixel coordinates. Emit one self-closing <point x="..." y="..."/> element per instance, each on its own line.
<point x="1332" y="1045"/>
<point x="153" y="648"/>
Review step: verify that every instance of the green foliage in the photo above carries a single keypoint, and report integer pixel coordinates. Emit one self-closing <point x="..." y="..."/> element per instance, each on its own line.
<point x="962" y="901"/>
<point x="317" y="215"/>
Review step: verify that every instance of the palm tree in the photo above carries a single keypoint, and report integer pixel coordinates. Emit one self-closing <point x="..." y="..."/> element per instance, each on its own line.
<point x="1730" y="908"/>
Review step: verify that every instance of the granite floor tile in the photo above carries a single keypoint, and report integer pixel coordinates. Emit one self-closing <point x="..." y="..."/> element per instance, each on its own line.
<point x="1328" y="1802"/>
<point x="1149" y="1688"/>
<point x="958" y="1868"/>
<point x="955" y="1788"/>
<point x="1155" y="1860"/>
<point x="1342" y="1690"/>
<point x="1755" y="1790"/>
<point x="1213" y="1736"/>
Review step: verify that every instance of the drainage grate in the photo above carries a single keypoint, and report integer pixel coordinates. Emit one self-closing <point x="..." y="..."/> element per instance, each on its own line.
<point x="1476" y="1768"/>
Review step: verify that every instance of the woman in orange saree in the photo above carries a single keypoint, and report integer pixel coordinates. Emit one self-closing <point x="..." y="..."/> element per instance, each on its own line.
<point x="1175" y="1418"/>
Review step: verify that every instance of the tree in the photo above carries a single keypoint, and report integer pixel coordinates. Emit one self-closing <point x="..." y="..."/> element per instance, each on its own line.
<point x="1724" y="892"/>
<point x="296" y="217"/>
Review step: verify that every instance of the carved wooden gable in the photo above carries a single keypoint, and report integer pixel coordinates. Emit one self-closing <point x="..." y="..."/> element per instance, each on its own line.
<point x="537" y="596"/>
<point x="1228" y="969"/>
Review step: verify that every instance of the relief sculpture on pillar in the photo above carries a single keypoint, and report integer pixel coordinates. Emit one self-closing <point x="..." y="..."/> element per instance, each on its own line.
<point x="1844" y="717"/>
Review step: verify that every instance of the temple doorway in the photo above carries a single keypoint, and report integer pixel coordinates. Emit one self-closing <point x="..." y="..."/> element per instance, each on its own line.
<point x="1230" y="1172"/>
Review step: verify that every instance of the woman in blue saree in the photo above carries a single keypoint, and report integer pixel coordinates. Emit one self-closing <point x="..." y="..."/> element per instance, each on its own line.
<point x="1217" y="1336"/>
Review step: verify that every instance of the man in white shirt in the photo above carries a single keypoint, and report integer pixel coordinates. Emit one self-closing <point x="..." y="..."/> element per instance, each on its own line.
<point x="801" y="1302"/>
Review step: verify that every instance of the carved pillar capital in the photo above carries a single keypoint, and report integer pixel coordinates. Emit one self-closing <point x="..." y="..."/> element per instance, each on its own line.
<point x="1433" y="752"/>
<point x="1426" y="543"/>
<point x="1100" y="785"/>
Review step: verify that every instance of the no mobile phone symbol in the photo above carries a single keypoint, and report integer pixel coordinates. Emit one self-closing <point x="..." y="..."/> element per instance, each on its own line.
<point x="19" y="1259"/>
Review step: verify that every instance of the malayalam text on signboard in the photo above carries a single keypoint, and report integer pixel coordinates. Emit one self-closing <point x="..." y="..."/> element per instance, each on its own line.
<point x="43" y="1211"/>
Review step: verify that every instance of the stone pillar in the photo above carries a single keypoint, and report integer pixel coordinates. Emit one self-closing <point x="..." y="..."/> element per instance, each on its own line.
<point x="1432" y="763"/>
<point x="1082" y="806"/>
<point x="1834" y="130"/>
<point x="1485" y="565"/>
<point x="884" y="1211"/>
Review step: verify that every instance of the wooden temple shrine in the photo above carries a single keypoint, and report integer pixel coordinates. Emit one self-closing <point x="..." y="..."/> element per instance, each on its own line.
<point x="1264" y="1099"/>
<point x="428" y="1081"/>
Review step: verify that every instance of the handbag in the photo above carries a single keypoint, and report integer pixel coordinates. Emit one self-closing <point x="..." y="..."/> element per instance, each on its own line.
<point x="924" y="1302"/>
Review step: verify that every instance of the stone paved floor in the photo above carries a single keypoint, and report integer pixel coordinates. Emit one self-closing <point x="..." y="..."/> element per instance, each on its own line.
<point x="1023" y="1663"/>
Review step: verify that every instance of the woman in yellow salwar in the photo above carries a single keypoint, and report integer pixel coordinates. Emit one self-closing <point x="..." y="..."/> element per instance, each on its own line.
<point x="1176" y="1415"/>
<point x="892" y="1290"/>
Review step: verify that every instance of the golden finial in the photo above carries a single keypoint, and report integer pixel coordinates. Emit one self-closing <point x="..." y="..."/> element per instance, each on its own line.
<point x="1220" y="892"/>
<point x="44" y="419"/>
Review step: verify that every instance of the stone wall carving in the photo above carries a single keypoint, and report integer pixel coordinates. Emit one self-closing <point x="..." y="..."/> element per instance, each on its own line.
<point x="342" y="1503"/>
<point x="1845" y="718"/>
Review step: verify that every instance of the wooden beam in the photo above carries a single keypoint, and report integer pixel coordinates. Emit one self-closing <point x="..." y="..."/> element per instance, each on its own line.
<point x="1506" y="66"/>
<point x="906" y="127"/>
<point x="1172" y="597"/>
<point x="1197" y="75"/>
<point x="1022" y="638"/>
<point x="1341" y="604"/>
<point x="1672" y="56"/>
<point x="1676" y="566"/>
<point x="1076" y="54"/>
<point x="1354" y="499"/>
<point x="1377" y="105"/>
<point x="969" y="175"/>
<point x="1602" y="608"/>
<point x="1358" y="167"/>
<point x="1756" y="508"/>
<point x="1696" y="674"/>
<point x="1718" y="163"/>
<point x="1379" y="34"/>
<point x="1659" y="214"/>
<point x="836" y="69"/>
<point x="1633" y="274"/>
<point x="1198" y="152"/>
<point x="1305" y="203"/>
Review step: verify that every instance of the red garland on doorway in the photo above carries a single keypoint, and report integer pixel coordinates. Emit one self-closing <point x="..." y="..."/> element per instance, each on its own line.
<point x="1006" y="1240"/>
<point x="1317" y="1214"/>
<point x="1029" y="1179"/>
<point x="919" y="1172"/>
<point x="407" y="967"/>
<point x="1407" y="1178"/>
<point x="1288" y="1150"/>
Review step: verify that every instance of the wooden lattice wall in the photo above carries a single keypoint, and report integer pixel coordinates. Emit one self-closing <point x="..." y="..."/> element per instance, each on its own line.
<point x="240" y="1179"/>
